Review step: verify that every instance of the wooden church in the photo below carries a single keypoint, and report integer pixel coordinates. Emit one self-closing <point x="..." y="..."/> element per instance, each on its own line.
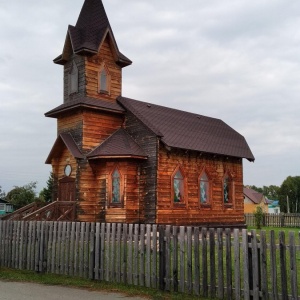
<point x="124" y="160"/>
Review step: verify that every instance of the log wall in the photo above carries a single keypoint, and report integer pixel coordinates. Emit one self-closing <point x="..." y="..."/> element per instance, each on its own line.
<point x="192" y="212"/>
<point x="92" y="68"/>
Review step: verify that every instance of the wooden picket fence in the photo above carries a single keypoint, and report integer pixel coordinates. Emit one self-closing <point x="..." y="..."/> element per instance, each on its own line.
<point x="213" y="263"/>
<point x="275" y="220"/>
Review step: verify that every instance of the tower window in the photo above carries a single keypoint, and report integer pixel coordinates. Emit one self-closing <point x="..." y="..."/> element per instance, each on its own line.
<point x="73" y="79"/>
<point x="116" y="184"/>
<point x="104" y="81"/>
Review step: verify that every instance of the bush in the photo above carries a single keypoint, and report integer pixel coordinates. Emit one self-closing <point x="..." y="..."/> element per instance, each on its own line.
<point x="259" y="216"/>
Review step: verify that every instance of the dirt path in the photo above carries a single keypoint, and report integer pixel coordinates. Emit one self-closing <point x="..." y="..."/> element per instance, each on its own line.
<point x="34" y="291"/>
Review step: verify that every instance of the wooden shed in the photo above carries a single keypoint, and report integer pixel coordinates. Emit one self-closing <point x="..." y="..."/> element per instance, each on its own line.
<point x="124" y="160"/>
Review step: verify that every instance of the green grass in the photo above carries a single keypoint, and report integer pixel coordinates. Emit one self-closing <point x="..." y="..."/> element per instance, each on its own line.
<point x="51" y="279"/>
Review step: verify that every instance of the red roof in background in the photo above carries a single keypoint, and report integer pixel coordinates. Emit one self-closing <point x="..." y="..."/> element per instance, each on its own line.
<point x="190" y="131"/>
<point x="119" y="144"/>
<point x="253" y="195"/>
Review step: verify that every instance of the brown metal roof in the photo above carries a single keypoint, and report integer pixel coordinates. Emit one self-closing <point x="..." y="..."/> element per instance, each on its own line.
<point x="253" y="195"/>
<point x="64" y="139"/>
<point x="120" y="144"/>
<point x="91" y="29"/>
<point x="190" y="131"/>
<point x="88" y="103"/>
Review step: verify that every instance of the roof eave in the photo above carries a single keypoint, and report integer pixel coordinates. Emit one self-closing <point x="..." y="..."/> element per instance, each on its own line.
<point x="54" y="114"/>
<point x="117" y="157"/>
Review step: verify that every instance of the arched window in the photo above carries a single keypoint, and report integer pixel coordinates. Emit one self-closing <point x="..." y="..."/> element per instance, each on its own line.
<point x="227" y="189"/>
<point x="116" y="187"/>
<point x="178" y="186"/>
<point x="204" y="188"/>
<point x="73" y="79"/>
<point x="104" y="80"/>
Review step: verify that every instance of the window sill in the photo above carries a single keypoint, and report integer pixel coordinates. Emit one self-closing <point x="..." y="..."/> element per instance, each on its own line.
<point x="205" y="205"/>
<point x="228" y="205"/>
<point x="115" y="205"/>
<point x="103" y="92"/>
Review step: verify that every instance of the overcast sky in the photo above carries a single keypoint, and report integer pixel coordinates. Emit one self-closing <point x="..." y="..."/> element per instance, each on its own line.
<point x="235" y="60"/>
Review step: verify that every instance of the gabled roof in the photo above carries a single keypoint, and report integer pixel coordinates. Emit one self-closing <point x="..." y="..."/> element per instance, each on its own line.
<point x="64" y="139"/>
<point x="87" y="35"/>
<point x="253" y="195"/>
<point x="4" y="201"/>
<point x="180" y="129"/>
<point x="86" y="102"/>
<point x="119" y="145"/>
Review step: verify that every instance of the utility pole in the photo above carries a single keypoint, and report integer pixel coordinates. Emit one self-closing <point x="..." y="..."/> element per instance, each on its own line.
<point x="288" y="204"/>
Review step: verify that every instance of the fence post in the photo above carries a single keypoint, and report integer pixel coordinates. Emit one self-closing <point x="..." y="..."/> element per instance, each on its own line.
<point x="162" y="258"/>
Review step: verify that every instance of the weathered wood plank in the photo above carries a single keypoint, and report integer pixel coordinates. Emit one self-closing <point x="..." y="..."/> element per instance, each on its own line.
<point x="182" y="259"/>
<point x="197" y="261"/>
<point x="142" y="256"/>
<point x="273" y="262"/>
<point x="255" y="267"/>
<point x="136" y="255"/>
<point x="237" y="266"/>
<point x="283" y="267"/>
<point x="264" y="266"/>
<point x="245" y="247"/>
<point x="212" y="264"/>
<point x="189" y="261"/>
<point x="204" y="263"/>
<point x="293" y="265"/>
<point x="175" y="258"/>
<point x="148" y="257"/>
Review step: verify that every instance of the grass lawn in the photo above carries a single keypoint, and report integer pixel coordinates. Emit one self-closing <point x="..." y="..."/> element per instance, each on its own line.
<point x="50" y="279"/>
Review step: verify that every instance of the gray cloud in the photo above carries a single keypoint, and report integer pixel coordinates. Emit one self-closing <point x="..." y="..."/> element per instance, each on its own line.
<point x="234" y="60"/>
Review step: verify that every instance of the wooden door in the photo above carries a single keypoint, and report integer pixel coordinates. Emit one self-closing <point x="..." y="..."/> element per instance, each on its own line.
<point x="66" y="189"/>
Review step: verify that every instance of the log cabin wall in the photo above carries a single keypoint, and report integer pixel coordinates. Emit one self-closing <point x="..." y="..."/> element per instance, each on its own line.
<point x="93" y="66"/>
<point x="94" y="202"/>
<point x="80" y="63"/>
<point x="98" y="126"/>
<point x="148" y="169"/>
<point x="192" y="212"/>
<point x="72" y="122"/>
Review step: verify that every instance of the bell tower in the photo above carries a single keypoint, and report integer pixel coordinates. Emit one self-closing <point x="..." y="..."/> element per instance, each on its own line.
<point x="91" y="58"/>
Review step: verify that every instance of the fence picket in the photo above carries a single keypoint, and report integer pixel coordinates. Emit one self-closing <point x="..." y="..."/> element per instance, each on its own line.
<point x="212" y="264"/>
<point x="273" y="262"/>
<point x="118" y="252"/>
<point x="293" y="265"/>
<point x="237" y="266"/>
<point x="283" y="269"/>
<point x="264" y="267"/>
<point x="245" y="247"/>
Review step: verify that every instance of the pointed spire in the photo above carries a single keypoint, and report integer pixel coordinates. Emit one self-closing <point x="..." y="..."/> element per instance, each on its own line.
<point x="91" y="28"/>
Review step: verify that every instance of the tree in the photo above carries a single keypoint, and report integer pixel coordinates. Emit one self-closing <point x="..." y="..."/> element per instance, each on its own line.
<point x="2" y="193"/>
<point x="271" y="192"/>
<point x="289" y="194"/>
<point x="46" y="193"/>
<point x="20" y="196"/>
